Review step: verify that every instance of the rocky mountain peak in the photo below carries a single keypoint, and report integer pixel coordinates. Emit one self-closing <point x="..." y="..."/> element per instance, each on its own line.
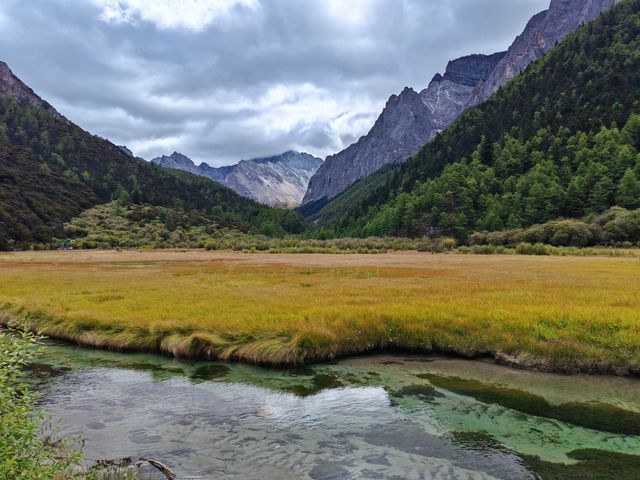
<point x="436" y="78"/>
<point x="472" y="69"/>
<point x="408" y="121"/>
<point x="279" y="180"/>
<point x="176" y="160"/>
<point x="290" y="157"/>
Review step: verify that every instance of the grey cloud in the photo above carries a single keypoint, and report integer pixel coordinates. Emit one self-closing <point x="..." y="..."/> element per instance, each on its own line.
<point x="318" y="136"/>
<point x="213" y="94"/>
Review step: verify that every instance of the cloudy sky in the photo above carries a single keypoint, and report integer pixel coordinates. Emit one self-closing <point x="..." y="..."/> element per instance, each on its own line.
<point x="223" y="80"/>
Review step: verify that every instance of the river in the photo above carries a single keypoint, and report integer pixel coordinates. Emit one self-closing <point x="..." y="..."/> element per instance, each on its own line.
<point x="370" y="417"/>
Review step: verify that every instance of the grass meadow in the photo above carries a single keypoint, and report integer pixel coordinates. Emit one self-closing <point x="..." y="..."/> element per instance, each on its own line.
<point x="570" y="314"/>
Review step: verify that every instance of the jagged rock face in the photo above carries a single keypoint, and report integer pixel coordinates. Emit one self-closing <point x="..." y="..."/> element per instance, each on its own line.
<point x="124" y="149"/>
<point x="178" y="161"/>
<point x="278" y="181"/>
<point x="13" y="87"/>
<point x="472" y="69"/>
<point x="408" y="121"/>
<point x="543" y="31"/>
<point x="446" y="96"/>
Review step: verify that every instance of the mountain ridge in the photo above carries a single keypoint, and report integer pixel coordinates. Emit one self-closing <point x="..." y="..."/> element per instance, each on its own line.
<point x="277" y="180"/>
<point x="407" y="122"/>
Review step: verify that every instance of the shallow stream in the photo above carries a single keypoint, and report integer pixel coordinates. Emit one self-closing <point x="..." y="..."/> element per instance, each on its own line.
<point x="379" y="417"/>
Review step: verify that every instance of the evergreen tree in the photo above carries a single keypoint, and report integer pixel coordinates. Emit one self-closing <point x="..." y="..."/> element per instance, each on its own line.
<point x="631" y="131"/>
<point x="629" y="190"/>
<point x="602" y="195"/>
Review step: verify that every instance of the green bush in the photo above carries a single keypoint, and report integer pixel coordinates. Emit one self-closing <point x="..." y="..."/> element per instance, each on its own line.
<point x="27" y="451"/>
<point x="615" y="227"/>
<point x="524" y="248"/>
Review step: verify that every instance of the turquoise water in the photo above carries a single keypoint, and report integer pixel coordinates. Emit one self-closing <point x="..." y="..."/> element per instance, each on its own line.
<point x="395" y="417"/>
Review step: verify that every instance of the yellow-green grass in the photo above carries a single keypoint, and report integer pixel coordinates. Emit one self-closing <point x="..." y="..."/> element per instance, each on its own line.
<point x="557" y="313"/>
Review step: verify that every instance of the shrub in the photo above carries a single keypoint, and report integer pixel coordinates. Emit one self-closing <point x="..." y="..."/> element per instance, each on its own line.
<point x="448" y="243"/>
<point x="25" y="451"/>
<point x="524" y="248"/>
<point x="424" y="247"/>
<point x="572" y="233"/>
<point x="540" y="249"/>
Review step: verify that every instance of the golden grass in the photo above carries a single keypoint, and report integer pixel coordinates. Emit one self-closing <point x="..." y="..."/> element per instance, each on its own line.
<point x="560" y="313"/>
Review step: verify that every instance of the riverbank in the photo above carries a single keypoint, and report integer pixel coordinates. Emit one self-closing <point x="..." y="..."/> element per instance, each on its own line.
<point x="561" y="314"/>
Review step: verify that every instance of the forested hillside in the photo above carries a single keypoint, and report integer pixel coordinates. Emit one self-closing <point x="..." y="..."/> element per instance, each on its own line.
<point x="51" y="170"/>
<point x="560" y="140"/>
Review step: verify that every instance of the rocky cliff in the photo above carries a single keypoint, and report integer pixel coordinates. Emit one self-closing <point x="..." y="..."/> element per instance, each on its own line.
<point x="543" y="31"/>
<point x="278" y="181"/>
<point x="408" y="121"/>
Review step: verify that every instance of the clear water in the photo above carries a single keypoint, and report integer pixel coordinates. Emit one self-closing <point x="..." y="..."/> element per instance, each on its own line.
<point x="362" y="418"/>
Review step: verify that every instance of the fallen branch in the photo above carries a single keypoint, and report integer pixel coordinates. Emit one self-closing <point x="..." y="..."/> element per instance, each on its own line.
<point x="131" y="462"/>
<point x="166" y="471"/>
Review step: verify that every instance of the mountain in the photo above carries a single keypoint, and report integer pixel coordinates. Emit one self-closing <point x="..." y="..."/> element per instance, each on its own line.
<point x="408" y="121"/>
<point x="278" y="181"/>
<point x="561" y="140"/>
<point x="467" y="82"/>
<point x="51" y="170"/>
<point x="544" y="31"/>
<point x="177" y="161"/>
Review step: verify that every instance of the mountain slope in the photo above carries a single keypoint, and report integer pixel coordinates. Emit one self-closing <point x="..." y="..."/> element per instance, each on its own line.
<point x="33" y="197"/>
<point x="11" y="86"/>
<point x="547" y="145"/>
<point x="379" y="148"/>
<point x="408" y="121"/>
<point x="278" y="181"/>
<point x="51" y="169"/>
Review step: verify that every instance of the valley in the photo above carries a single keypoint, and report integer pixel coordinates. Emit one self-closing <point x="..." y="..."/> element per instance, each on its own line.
<point x="452" y="295"/>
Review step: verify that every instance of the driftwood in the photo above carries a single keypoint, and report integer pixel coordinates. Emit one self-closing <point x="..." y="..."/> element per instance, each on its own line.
<point x="166" y="471"/>
<point x="132" y="462"/>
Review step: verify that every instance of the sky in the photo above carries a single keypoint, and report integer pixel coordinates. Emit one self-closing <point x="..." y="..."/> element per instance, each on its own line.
<point x="225" y="80"/>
